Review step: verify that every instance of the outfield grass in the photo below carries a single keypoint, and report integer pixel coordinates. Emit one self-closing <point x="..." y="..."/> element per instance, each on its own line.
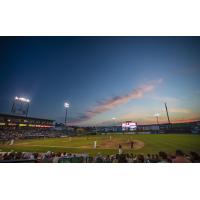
<point x="152" y="144"/>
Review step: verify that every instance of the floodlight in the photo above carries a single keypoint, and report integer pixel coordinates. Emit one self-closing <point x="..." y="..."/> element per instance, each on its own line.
<point x="24" y="105"/>
<point x="66" y="105"/>
<point x="22" y="99"/>
<point x="156" y="115"/>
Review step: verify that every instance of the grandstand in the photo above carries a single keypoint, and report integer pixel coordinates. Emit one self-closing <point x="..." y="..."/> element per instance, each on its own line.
<point x="19" y="127"/>
<point x="20" y="122"/>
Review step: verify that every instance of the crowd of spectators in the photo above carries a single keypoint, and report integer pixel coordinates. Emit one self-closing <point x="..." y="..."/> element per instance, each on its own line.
<point x="51" y="157"/>
<point x="8" y="134"/>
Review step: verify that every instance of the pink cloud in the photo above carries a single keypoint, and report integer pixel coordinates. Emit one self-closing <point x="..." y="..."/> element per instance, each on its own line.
<point x="180" y="110"/>
<point x="171" y="100"/>
<point x="111" y="103"/>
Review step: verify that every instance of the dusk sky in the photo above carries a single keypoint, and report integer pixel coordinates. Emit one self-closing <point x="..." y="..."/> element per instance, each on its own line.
<point x="129" y="78"/>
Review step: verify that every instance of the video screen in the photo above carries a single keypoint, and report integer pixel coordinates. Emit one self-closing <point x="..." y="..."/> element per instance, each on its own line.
<point x="129" y="126"/>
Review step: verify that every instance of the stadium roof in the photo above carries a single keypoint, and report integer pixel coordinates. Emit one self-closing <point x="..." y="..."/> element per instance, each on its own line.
<point x="23" y="117"/>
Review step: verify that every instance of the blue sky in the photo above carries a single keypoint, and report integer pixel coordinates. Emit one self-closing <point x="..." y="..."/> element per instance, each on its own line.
<point x="91" y="72"/>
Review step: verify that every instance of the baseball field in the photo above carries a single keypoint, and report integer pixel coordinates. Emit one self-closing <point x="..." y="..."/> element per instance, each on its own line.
<point x="108" y="144"/>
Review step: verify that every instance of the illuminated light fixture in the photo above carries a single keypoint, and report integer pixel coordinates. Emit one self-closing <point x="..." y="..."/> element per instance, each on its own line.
<point x="114" y="120"/>
<point x="66" y="105"/>
<point x="31" y="125"/>
<point x="12" y="124"/>
<point x="37" y="125"/>
<point x="45" y="126"/>
<point x="22" y="99"/>
<point x="156" y="115"/>
<point x="2" y="124"/>
<point x="22" y="124"/>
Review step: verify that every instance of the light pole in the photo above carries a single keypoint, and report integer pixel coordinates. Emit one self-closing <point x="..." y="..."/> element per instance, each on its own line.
<point x="157" y="115"/>
<point x="167" y="114"/>
<point x="66" y="105"/>
<point x="114" y="118"/>
<point x="27" y="110"/>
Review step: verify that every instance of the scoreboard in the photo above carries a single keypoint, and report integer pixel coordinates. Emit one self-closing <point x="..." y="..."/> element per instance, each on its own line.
<point x="129" y="126"/>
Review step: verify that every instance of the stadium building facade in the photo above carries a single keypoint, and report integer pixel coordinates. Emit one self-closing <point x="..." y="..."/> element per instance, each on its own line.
<point x="20" y="122"/>
<point x="188" y="127"/>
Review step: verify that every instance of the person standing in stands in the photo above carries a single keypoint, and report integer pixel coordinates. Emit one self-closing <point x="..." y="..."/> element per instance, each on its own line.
<point x="120" y="149"/>
<point x="132" y="143"/>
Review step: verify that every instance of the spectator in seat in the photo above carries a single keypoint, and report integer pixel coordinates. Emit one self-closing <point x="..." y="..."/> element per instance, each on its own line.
<point x="163" y="157"/>
<point x="56" y="157"/>
<point x="153" y="159"/>
<point x="115" y="158"/>
<point x="107" y="159"/>
<point x="122" y="158"/>
<point x="148" y="158"/>
<point x="194" y="157"/>
<point x="140" y="158"/>
<point x="180" y="158"/>
<point x="99" y="159"/>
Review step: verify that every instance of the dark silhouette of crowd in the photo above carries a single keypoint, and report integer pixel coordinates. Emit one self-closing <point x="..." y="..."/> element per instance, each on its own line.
<point x="52" y="157"/>
<point x="7" y="134"/>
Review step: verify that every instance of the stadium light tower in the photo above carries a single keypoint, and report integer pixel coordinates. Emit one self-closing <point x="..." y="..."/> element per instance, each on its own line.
<point x="157" y="115"/>
<point x="24" y="105"/>
<point x="66" y="105"/>
<point x="167" y="113"/>
<point x="114" y="119"/>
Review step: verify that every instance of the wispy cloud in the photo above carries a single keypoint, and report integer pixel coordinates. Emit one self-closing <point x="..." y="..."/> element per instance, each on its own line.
<point x="177" y="115"/>
<point x="113" y="102"/>
<point x="172" y="100"/>
<point x="180" y="110"/>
